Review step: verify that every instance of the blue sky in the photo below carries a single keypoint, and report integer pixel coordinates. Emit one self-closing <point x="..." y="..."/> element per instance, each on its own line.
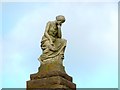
<point x="0" y="44"/>
<point x="91" y="29"/>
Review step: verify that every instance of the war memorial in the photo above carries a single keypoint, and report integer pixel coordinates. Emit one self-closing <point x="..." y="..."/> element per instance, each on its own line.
<point x="51" y="73"/>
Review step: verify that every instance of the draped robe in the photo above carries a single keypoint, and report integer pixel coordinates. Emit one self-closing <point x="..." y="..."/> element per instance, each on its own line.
<point x="59" y="44"/>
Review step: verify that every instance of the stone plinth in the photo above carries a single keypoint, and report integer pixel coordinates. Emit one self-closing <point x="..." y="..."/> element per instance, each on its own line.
<point x="51" y="76"/>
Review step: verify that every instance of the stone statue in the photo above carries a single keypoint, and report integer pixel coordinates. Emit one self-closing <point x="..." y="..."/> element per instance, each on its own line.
<point x="51" y="74"/>
<point x="52" y="44"/>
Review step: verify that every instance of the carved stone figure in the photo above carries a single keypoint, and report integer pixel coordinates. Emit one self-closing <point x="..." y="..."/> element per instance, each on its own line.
<point x="52" y="44"/>
<point x="51" y="74"/>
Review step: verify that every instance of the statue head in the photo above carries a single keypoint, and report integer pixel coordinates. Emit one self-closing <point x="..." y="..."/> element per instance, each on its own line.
<point x="60" y="19"/>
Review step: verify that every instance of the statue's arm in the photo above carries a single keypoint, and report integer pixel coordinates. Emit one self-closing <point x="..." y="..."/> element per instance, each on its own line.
<point x="59" y="32"/>
<point x="46" y="32"/>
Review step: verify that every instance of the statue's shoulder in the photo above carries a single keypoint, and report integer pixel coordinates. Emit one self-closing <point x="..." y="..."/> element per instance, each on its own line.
<point x="49" y="22"/>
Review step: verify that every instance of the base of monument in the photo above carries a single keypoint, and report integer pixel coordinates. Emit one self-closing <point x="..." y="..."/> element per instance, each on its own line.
<point x="53" y="82"/>
<point x="51" y="76"/>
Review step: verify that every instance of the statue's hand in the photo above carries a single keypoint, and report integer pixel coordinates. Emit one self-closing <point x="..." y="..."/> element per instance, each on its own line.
<point x="59" y="26"/>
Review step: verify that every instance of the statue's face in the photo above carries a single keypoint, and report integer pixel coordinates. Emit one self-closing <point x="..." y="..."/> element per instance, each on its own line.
<point x="60" y="22"/>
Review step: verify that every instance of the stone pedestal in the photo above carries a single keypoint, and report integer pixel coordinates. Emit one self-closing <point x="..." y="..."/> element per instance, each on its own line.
<point x="50" y="75"/>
